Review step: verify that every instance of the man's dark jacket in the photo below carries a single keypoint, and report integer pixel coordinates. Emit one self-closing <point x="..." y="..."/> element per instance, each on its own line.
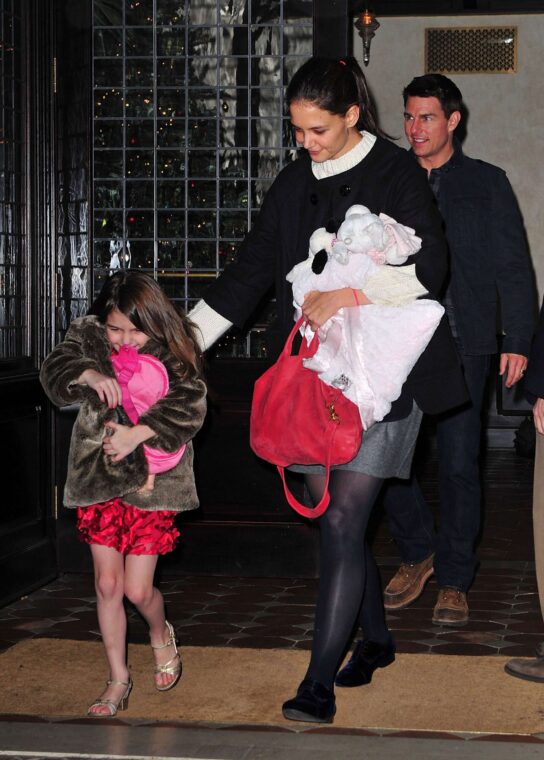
<point x="489" y="258"/>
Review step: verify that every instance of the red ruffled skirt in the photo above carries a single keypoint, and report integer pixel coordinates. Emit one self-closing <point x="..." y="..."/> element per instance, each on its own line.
<point x="127" y="529"/>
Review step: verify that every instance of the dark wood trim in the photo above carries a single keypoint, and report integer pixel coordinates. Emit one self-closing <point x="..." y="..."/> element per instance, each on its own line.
<point x="332" y="28"/>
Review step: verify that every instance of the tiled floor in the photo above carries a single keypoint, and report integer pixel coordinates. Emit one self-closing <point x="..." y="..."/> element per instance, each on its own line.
<point x="261" y="612"/>
<point x="276" y="613"/>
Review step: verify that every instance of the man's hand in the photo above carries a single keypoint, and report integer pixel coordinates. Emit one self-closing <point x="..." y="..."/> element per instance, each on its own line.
<point x="124" y="439"/>
<point x="538" y="415"/>
<point x="515" y="364"/>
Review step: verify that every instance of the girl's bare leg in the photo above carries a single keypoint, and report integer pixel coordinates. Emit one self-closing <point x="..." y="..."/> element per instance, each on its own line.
<point x="139" y="588"/>
<point x="109" y="585"/>
<point x="149" y="484"/>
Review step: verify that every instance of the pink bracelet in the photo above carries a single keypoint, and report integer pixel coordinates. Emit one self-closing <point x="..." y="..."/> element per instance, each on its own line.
<point x="355" y="296"/>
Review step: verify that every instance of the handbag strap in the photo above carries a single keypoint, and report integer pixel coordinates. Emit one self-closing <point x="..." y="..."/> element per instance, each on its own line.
<point x="319" y="508"/>
<point x="306" y="351"/>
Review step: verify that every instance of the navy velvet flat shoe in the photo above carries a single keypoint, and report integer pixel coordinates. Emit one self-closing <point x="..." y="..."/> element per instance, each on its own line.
<point x="313" y="703"/>
<point x="366" y="658"/>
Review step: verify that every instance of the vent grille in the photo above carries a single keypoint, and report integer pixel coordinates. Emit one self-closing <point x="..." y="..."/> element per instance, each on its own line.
<point x="471" y="50"/>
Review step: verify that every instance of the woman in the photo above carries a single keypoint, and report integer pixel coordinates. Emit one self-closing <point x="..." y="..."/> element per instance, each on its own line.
<point x="347" y="162"/>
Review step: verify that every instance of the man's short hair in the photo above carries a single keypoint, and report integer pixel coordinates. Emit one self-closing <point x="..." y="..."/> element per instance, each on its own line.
<point x="435" y="86"/>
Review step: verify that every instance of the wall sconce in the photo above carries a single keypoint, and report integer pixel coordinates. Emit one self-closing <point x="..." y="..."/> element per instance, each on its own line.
<point x="366" y="25"/>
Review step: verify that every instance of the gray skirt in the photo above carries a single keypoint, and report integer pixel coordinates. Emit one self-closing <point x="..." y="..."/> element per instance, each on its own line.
<point x="387" y="450"/>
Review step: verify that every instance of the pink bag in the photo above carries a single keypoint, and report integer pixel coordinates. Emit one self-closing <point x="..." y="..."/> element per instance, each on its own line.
<point x="144" y="380"/>
<point x="297" y="419"/>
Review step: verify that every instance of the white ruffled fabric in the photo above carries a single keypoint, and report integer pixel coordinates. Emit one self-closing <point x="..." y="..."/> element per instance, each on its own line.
<point x="369" y="351"/>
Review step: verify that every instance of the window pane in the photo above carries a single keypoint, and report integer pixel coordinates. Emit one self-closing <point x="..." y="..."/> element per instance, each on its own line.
<point x="108" y="42"/>
<point x="108" y="194"/>
<point x="108" y="163"/>
<point x="171" y="194"/>
<point x="171" y="254"/>
<point x="108" y="134"/>
<point x="140" y="133"/>
<point x="139" y="72"/>
<point x="139" y="42"/>
<point x="140" y="194"/>
<point x="138" y="12"/>
<point x="108" y="72"/>
<point x="170" y="12"/>
<point x="109" y="13"/>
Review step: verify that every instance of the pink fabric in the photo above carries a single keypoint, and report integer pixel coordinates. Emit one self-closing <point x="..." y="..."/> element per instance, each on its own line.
<point x="402" y="241"/>
<point x="144" y="380"/>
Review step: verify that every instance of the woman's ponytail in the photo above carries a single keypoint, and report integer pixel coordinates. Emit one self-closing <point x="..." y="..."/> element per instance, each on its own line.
<point x="335" y="85"/>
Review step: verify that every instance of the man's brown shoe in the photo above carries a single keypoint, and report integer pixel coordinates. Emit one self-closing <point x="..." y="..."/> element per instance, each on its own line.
<point x="530" y="670"/>
<point x="451" y="607"/>
<point x="407" y="584"/>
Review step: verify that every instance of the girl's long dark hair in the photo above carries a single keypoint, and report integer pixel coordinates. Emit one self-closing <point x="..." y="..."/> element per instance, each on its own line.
<point x="140" y="299"/>
<point x="335" y="85"/>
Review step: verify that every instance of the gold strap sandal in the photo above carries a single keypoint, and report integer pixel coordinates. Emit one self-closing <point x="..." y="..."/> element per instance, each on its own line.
<point x="112" y="706"/>
<point x="173" y="666"/>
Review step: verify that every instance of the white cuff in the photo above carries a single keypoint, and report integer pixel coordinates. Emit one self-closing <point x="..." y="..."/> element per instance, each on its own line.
<point x="211" y="325"/>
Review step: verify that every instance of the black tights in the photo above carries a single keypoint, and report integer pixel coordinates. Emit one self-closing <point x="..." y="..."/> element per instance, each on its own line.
<point x="349" y="581"/>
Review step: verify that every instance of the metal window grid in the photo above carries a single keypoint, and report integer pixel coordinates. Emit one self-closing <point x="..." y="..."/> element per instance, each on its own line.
<point x="188" y="131"/>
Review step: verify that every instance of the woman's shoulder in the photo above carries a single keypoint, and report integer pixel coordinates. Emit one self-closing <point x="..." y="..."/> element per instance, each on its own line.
<point x="388" y="151"/>
<point x="395" y="166"/>
<point x="292" y="173"/>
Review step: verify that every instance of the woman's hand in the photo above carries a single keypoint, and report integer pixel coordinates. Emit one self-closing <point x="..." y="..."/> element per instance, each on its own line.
<point x="320" y="306"/>
<point x="124" y="439"/>
<point x="107" y="388"/>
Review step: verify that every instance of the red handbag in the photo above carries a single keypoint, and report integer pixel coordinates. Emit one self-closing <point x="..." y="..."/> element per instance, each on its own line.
<point x="297" y="419"/>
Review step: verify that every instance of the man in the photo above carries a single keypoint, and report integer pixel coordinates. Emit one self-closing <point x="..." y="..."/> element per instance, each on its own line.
<point x="489" y="265"/>
<point x="533" y="669"/>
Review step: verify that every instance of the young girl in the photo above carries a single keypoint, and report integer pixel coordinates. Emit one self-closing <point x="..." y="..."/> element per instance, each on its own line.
<point x="128" y="520"/>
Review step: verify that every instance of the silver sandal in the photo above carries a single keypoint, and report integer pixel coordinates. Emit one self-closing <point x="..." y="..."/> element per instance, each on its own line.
<point x="112" y="706"/>
<point x="169" y="668"/>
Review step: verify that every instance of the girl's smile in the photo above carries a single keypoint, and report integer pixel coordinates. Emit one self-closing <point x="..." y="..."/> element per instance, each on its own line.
<point x="121" y="331"/>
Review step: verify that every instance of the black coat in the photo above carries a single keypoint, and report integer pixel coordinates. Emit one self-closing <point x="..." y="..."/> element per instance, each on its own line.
<point x="297" y="204"/>
<point x="490" y="263"/>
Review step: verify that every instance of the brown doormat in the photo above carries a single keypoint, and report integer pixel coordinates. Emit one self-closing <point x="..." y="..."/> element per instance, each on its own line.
<point x="56" y="677"/>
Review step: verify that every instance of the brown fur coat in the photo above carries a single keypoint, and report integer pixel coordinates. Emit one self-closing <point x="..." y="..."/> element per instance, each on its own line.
<point x="176" y="418"/>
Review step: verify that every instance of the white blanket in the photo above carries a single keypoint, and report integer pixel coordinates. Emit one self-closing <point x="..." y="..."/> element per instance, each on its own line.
<point x="368" y="351"/>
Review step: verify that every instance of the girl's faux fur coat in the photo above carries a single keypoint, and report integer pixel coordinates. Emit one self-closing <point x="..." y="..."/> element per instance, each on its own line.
<point x="176" y="418"/>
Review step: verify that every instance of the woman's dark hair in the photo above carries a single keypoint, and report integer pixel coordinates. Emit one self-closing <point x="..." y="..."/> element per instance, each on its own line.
<point x="141" y="300"/>
<point x="335" y="85"/>
<point x="436" y="86"/>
